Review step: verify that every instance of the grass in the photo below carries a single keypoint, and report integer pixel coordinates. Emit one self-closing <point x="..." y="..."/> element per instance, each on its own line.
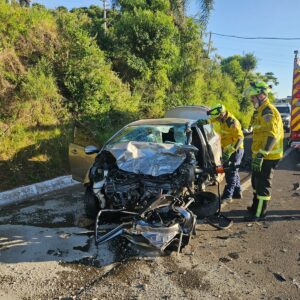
<point x="35" y="154"/>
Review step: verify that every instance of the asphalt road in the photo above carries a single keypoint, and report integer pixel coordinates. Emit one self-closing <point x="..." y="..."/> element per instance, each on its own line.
<point x="47" y="252"/>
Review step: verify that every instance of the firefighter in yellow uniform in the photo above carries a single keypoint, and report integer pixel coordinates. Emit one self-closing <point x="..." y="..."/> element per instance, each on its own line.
<point x="267" y="148"/>
<point x="232" y="141"/>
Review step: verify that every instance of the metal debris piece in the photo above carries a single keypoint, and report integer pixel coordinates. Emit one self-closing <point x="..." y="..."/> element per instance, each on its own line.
<point x="279" y="277"/>
<point x="296" y="186"/>
<point x="159" y="225"/>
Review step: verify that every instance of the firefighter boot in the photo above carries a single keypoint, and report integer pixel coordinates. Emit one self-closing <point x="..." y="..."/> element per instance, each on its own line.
<point x="237" y="194"/>
<point x="258" y="215"/>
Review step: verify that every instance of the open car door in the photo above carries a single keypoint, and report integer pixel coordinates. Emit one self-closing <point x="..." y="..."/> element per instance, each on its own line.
<point x="79" y="161"/>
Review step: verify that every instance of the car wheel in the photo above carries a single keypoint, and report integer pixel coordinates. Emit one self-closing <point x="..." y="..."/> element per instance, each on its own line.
<point x="91" y="204"/>
<point x="206" y="204"/>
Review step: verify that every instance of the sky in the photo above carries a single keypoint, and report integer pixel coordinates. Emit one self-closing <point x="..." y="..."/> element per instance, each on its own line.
<point x="247" y="18"/>
<point x="259" y="18"/>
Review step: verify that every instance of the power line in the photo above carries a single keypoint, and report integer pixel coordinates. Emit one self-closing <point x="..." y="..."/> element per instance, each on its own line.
<point x="256" y="38"/>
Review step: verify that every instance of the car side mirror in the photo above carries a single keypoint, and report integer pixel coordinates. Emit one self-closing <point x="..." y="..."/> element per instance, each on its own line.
<point x="91" y="150"/>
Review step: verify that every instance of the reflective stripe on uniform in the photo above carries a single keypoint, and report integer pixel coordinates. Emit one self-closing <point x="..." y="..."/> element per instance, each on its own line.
<point x="264" y="152"/>
<point x="259" y="208"/>
<point x="279" y="150"/>
<point x="264" y="198"/>
<point x="261" y="200"/>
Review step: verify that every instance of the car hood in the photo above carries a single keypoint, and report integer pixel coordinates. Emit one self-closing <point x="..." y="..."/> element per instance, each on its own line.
<point x="149" y="158"/>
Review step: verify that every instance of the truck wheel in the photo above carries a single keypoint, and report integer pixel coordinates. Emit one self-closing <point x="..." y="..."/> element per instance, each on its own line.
<point x="91" y="204"/>
<point x="206" y="204"/>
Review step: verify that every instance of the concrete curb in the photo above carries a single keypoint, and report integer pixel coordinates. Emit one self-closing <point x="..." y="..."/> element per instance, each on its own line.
<point x="22" y="193"/>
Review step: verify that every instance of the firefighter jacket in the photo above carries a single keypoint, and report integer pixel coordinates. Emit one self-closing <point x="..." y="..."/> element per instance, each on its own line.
<point x="267" y="123"/>
<point x="230" y="131"/>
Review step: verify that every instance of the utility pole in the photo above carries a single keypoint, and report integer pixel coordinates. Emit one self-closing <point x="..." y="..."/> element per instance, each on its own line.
<point x="209" y="45"/>
<point x="104" y="15"/>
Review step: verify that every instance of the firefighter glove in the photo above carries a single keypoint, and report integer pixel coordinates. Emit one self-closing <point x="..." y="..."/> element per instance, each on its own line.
<point x="257" y="162"/>
<point x="228" y="152"/>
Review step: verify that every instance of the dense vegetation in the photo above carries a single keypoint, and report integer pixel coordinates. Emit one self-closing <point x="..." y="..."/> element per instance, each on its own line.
<point x="59" y="67"/>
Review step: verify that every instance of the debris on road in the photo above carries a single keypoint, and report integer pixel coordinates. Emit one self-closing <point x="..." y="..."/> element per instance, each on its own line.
<point x="296" y="283"/>
<point x="296" y="186"/>
<point x="279" y="277"/>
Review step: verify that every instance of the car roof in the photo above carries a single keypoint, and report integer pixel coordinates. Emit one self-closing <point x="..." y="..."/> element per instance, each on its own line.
<point x="282" y="105"/>
<point x="162" y="121"/>
<point x="193" y="112"/>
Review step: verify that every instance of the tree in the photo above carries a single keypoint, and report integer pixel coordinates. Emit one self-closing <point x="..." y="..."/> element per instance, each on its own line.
<point x="25" y="2"/>
<point x="270" y="78"/>
<point x="240" y="68"/>
<point x="178" y="8"/>
<point x="232" y="66"/>
<point x="248" y="64"/>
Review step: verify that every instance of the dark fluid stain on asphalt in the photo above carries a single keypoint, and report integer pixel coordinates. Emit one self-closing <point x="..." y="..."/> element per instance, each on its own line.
<point x="39" y="217"/>
<point x="87" y="261"/>
<point x="117" y="250"/>
<point x="84" y="248"/>
<point x="87" y="246"/>
<point x="57" y="252"/>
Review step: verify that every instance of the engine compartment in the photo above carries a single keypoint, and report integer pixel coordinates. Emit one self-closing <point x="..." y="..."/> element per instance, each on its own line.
<point x="116" y="188"/>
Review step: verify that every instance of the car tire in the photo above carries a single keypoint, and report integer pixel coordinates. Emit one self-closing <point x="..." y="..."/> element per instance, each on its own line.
<point x="206" y="204"/>
<point x="91" y="204"/>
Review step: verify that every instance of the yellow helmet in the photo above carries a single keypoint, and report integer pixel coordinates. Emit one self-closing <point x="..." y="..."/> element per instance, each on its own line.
<point x="216" y="111"/>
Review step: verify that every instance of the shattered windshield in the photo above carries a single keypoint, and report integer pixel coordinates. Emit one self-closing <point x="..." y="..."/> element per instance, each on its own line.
<point x="174" y="133"/>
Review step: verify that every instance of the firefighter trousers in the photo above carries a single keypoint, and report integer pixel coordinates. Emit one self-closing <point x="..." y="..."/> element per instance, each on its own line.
<point x="262" y="185"/>
<point x="233" y="183"/>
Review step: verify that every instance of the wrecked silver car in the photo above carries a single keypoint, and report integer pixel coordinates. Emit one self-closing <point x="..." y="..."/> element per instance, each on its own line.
<point x="153" y="172"/>
<point x="166" y="222"/>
